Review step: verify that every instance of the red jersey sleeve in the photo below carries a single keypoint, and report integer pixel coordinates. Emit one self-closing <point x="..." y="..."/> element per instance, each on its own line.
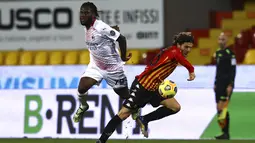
<point x="183" y="61"/>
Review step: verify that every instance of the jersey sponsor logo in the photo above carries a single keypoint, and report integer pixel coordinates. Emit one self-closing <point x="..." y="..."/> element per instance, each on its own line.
<point x="92" y="46"/>
<point x="112" y="33"/>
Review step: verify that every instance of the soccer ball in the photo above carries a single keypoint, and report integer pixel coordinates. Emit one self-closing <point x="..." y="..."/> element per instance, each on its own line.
<point x="167" y="89"/>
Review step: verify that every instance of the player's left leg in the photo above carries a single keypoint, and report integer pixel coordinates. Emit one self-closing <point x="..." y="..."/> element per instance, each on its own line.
<point x="170" y="107"/>
<point x="89" y="78"/>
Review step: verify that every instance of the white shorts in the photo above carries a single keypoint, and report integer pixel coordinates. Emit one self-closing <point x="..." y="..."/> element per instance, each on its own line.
<point x="116" y="79"/>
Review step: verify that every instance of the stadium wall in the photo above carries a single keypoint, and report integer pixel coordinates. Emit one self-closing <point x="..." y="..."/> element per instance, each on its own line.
<point x="194" y="14"/>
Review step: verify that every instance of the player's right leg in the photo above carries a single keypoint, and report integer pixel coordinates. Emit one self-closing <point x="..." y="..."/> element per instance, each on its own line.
<point x="91" y="77"/>
<point x="123" y="114"/>
<point x="84" y="85"/>
<point x="137" y="100"/>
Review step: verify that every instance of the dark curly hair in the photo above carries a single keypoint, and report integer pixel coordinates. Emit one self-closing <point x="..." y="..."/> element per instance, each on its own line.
<point x="183" y="37"/>
<point x="92" y="6"/>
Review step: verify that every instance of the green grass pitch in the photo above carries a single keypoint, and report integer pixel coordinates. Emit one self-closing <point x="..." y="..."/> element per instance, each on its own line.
<point x="119" y="141"/>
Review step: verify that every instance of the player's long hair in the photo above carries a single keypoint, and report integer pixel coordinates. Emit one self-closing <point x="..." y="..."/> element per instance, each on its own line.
<point x="92" y="6"/>
<point x="183" y="37"/>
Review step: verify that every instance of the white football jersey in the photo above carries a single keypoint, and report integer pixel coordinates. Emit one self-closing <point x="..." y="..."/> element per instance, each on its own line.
<point x="101" y="42"/>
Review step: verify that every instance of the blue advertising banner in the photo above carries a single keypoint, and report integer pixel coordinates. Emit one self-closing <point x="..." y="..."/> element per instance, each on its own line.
<point x="67" y="77"/>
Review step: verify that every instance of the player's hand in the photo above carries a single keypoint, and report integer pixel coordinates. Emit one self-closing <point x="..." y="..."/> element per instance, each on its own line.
<point x="124" y="59"/>
<point x="192" y="76"/>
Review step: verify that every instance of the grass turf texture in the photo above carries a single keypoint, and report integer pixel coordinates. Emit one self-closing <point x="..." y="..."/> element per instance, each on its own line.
<point x="242" y="118"/>
<point x="118" y="141"/>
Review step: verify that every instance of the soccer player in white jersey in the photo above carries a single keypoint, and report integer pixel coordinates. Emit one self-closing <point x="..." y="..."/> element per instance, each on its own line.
<point x="105" y="62"/>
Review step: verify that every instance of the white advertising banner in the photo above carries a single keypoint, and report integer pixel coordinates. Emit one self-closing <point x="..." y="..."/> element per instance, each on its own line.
<point x="48" y="113"/>
<point x="59" y="77"/>
<point x="55" y="24"/>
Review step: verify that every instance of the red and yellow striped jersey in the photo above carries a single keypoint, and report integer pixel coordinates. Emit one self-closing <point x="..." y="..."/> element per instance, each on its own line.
<point x="161" y="67"/>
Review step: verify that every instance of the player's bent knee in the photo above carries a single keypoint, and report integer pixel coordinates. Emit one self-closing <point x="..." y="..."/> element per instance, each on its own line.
<point x="82" y="90"/>
<point x="82" y="94"/>
<point x="124" y="113"/>
<point x="85" y="84"/>
<point x="176" y="108"/>
<point x="122" y="92"/>
<point x="123" y="116"/>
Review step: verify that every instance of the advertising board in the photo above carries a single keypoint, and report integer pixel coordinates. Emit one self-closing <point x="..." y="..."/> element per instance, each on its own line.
<point x="33" y="25"/>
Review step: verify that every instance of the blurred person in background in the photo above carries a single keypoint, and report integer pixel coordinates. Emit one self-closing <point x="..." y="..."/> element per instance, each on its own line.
<point x="105" y="62"/>
<point x="144" y="88"/>
<point x="224" y="83"/>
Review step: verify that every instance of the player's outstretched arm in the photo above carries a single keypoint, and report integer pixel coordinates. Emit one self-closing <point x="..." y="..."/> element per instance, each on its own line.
<point x="183" y="61"/>
<point x="123" y="48"/>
